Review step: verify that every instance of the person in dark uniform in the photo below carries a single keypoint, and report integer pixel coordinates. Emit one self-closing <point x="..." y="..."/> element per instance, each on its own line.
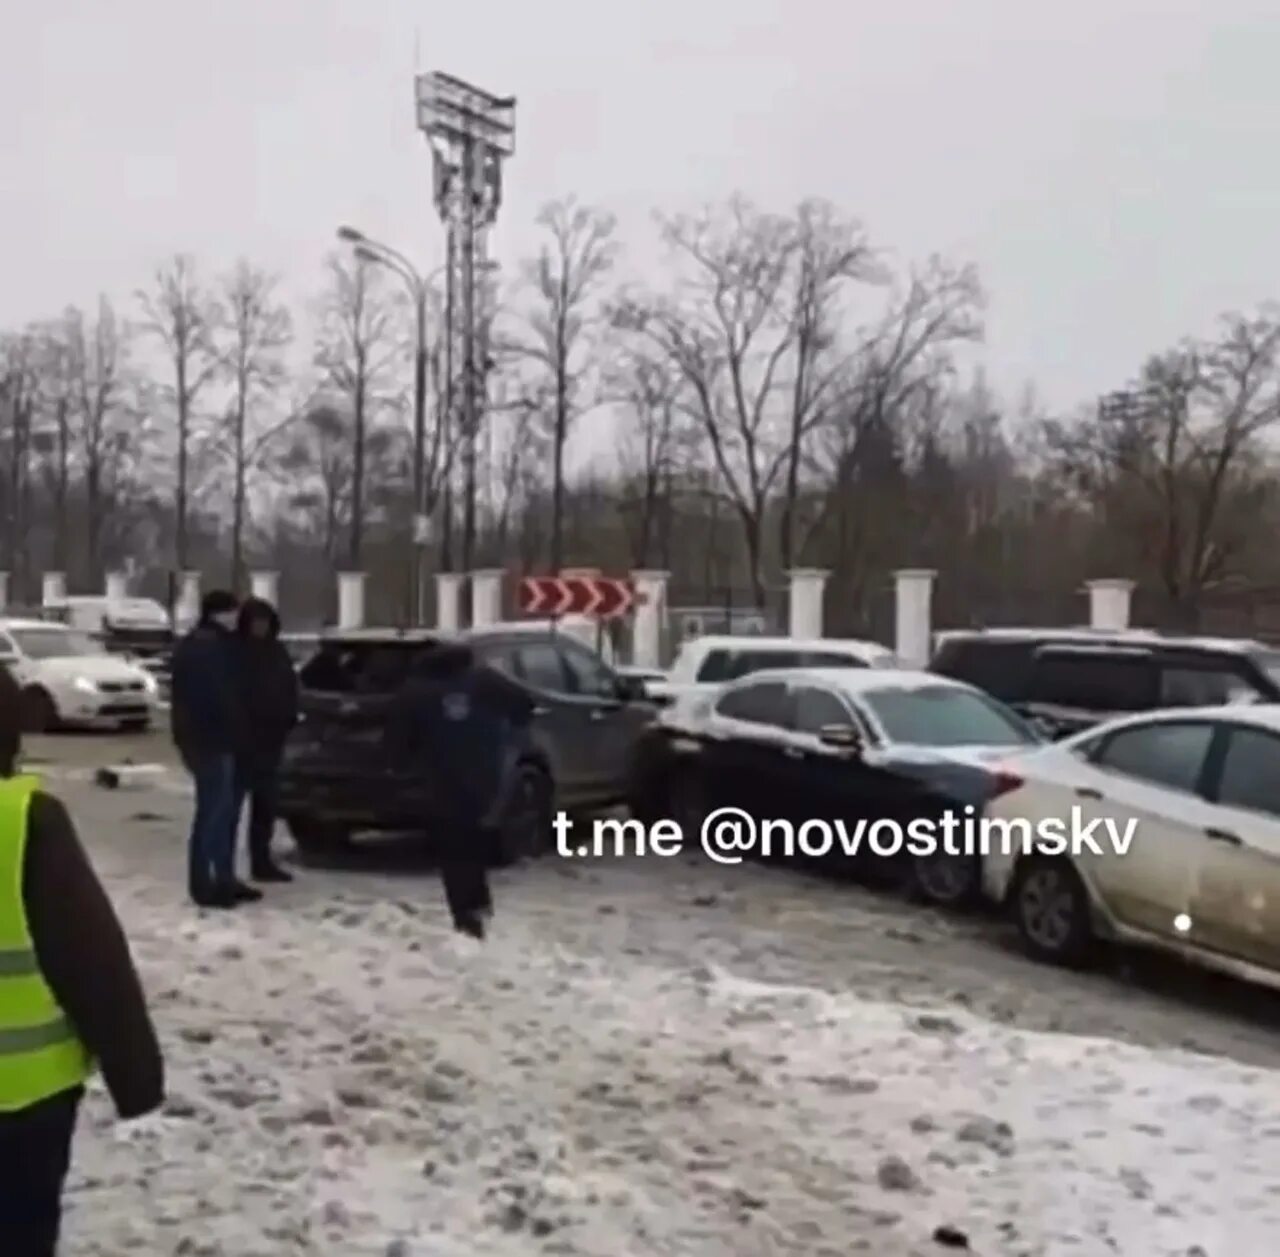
<point x="458" y="719"/>
<point x="71" y="1004"/>
<point x="208" y="730"/>
<point x="269" y="700"/>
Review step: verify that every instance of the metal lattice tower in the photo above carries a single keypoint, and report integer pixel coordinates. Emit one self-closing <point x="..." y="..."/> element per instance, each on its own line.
<point x="471" y="133"/>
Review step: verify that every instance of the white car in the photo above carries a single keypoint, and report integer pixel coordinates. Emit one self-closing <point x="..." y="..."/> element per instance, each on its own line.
<point x="705" y="665"/>
<point x="806" y="736"/>
<point x="1201" y="876"/>
<point x="69" y="679"/>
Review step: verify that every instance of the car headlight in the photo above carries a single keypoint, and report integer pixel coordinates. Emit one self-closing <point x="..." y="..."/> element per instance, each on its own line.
<point x="84" y="685"/>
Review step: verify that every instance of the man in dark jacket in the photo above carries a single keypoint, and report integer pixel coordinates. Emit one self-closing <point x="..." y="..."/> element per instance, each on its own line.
<point x="269" y="687"/>
<point x="459" y="720"/>
<point x="82" y="958"/>
<point x="208" y="729"/>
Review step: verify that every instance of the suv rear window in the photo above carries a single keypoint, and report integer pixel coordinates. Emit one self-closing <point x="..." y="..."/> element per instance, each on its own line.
<point x="361" y="667"/>
<point x="1094" y="681"/>
<point x="1002" y="669"/>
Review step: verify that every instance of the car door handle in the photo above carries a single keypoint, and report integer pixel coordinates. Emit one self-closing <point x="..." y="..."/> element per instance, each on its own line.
<point x="1088" y="792"/>
<point x="793" y="752"/>
<point x="540" y="710"/>
<point x="1224" y="835"/>
<point x="598" y="713"/>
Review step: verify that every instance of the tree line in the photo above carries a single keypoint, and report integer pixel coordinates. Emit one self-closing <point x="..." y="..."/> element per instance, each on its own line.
<point x="779" y="394"/>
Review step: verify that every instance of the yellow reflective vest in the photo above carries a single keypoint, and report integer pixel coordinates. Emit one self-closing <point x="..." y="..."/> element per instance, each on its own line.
<point x="40" y="1053"/>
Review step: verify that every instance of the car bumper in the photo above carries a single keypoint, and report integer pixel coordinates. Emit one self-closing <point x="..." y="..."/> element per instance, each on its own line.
<point x="107" y="711"/>
<point x="373" y="801"/>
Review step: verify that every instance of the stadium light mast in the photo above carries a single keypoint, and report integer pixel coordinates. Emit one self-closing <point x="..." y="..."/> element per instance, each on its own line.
<point x="471" y="133"/>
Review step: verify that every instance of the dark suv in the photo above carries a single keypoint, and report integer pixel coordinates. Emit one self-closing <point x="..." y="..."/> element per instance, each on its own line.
<point x="340" y="775"/>
<point x="1067" y="680"/>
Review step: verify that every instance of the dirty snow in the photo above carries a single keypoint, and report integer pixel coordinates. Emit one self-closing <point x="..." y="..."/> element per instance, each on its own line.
<point x="630" y="1067"/>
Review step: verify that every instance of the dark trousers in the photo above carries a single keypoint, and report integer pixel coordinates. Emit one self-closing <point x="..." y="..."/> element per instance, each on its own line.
<point x="464" y="870"/>
<point x="35" y="1152"/>
<point x="211" y="851"/>
<point x="258" y="780"/>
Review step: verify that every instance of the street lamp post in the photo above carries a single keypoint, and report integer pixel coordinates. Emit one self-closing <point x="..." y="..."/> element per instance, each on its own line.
<point x="368" y="250"/>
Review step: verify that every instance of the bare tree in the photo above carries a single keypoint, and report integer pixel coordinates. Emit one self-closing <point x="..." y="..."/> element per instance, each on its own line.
<point x="259" y="331"/>
<point x="55" y="440"/>
<point x="892" y="394"/>
<point x="649" y="394"/>
<point x="358" y="345"/>
<point x="19" y="386"/>
<point x="751" y="327"/>
<point x="1175" y="464"/>
<point x="97" y="352"/>
<point x="830" y="253"/>
<point x="315" y="470"/>
<point x="184" y="318"/>
<point x="559" y="333"/>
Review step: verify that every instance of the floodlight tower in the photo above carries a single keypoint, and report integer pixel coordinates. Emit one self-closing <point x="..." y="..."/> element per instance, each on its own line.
<point x="471" y="133"/>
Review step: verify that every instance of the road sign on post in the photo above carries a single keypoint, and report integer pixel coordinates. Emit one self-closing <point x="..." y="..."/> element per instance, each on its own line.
<point x="600" y="596"/>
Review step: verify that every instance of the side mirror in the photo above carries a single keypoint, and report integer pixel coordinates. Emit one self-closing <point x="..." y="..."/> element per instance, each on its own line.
<point x="630" y="689"/>
<point x="841" y="737"/>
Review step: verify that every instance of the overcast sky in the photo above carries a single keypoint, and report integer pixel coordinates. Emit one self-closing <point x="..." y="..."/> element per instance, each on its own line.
<point x="1110" y="165"/>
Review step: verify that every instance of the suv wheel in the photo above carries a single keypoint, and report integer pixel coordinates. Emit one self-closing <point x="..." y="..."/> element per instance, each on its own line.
<point x="319" y="837"/>
<point x="949" y="881"/>
<point x="687" y="800"/>
<point x="524" y="830"/>
<point x="1051" y="909"/>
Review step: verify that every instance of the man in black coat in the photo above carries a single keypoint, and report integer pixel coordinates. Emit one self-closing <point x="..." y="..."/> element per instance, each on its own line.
<point x="459" y="720"/>
<point x="269" y="688"/>
<point x="208" y="727"/>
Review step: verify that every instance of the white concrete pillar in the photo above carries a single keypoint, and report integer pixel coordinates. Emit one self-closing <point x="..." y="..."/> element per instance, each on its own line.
<point x="650" y="616"/>
<point x="449" y="601"/>
<point x="266" y="585"/>
<point x="351" y="600"/>
<point x="1109" y="604"/>
<point x="188" y="609"/>
<point x="914" y="598"/>
<point x="117" y="585"/>
<point x="4" y="590"/>
<point x="808" y="584"/>
<point x="53" y="587"/>
<point x="486" y="596"/>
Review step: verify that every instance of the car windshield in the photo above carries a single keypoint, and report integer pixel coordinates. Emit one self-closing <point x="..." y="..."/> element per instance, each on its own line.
<point x="1269" y="663"/>
<point x="53" y="643"/>
<point x="938" y="715"/>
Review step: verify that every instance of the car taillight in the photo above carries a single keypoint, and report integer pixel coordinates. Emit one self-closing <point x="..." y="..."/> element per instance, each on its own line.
<point x="1004" y="782"/>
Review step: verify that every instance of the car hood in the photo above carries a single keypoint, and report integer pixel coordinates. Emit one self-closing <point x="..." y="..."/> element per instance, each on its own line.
<point x="91" y="667"/>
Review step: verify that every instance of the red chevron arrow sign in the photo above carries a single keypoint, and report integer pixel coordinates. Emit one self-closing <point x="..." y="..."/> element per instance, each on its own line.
<point x="598" y="596"/>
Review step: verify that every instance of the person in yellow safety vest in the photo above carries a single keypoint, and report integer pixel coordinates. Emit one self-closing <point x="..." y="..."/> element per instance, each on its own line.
<point x="70" y="1001"/>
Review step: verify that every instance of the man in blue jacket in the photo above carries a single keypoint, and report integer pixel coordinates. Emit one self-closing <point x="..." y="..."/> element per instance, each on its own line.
<point x="208" y="730"/>
<point x="459" y="719"/>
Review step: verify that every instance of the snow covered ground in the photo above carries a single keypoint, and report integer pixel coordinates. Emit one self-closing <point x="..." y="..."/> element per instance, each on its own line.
<point x="670" y="1059"/>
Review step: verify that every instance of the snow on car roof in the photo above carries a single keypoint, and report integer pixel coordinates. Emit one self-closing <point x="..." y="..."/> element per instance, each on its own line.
<point x="855" y="680"/>
<point x="740" y="641"/>
<point x="34" y="624"/>
<point x="1104" y="637"/>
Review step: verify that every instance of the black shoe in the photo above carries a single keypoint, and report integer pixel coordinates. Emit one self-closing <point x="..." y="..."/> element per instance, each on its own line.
<point x="471" y="925"/>
<point x="214" y="897"/>
<point x="271" y="873"/>
<point x="244" y="894"/>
